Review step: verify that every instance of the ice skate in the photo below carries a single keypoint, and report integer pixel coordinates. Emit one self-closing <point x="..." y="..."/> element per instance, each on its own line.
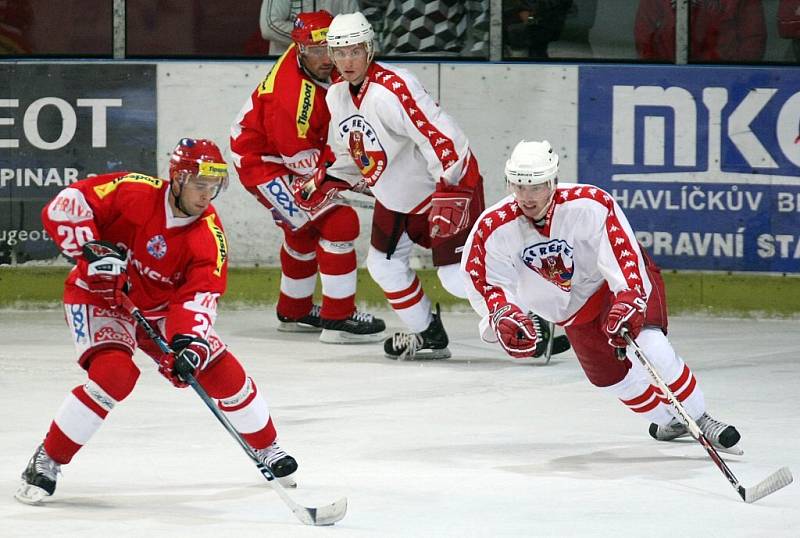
<point x="38" y="478"/>
<point x="723" y="436"/>
<point x="359" y="328"/>
<point x="282" y="465"/>
<point x="430" y="344"/>
<point x="310" y="323"/>
<point x="549" y="344"/>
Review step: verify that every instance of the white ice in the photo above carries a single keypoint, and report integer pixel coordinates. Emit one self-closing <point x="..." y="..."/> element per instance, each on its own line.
<point x="472" y="446"/>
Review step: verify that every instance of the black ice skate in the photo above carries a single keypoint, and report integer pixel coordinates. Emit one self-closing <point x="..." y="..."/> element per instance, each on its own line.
<point x="359" y="328"/>
<point x="310" y="323"/>
<point x="548" y="344"/>
<point x="282" y="465"/>
<point x="38" y="478"/>
<point x="723" y="436"/>
<point x="430" y="344"/>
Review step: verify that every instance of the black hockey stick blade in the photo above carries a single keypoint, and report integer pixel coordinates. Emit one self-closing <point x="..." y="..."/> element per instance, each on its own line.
<point x="777" y="480"/>
<point x="549" y="351"/>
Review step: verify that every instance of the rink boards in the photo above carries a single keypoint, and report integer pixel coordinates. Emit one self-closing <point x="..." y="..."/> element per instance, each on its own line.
<point x="704" y="160"/>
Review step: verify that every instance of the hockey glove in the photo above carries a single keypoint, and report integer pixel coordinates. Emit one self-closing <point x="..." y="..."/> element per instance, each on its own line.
<point x="627" y="311"/>
<point x="190" y="354"/>
<point x="105" y="270"/>
<point x="515" y="331"/>
<point x="449" y="212"/>
<point x="312" y="193"/>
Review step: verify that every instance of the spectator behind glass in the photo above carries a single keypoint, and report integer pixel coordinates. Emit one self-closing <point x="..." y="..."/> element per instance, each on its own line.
<point x="789" y="24"/>
<point x="433" y="28"/>
<point x="15" y="22"/>
<point x="277" y="18"/>
<point x="719" y="30"/>
<point x="575" y="34"/>
<point x="530" y="25"/>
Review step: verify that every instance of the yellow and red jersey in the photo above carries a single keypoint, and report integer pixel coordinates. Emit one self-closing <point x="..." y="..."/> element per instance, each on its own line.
<point x="177" y="267"/>
<point x="283" y="126"/>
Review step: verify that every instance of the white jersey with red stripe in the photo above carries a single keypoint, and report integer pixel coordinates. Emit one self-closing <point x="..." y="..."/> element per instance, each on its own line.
<point x="394" y="135"/>
<point x="553" y="270"/>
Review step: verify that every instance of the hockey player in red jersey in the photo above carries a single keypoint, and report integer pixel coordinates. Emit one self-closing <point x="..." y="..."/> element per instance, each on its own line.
<point x="279" y="136"/>
<point x="388" y="132"/>
<point x="568" y="253"/>
<point x="162" y="243"/>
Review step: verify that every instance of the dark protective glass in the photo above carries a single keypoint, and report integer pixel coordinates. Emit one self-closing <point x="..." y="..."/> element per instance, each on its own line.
<point x="188" y="28"/>
<point x="46" y="28"/>
<point x="433" y="28"/>
<point x="746" y="32"/>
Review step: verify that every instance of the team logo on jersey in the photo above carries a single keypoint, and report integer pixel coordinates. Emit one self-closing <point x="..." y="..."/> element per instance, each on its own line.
<point x="552" y="260"/>
<point x="364" y="146"/>
<point x="157" y="246"/>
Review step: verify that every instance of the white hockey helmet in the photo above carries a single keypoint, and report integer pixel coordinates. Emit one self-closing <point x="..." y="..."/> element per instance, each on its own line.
<point x="532" y="163"/>
<point x="351" y="29"/>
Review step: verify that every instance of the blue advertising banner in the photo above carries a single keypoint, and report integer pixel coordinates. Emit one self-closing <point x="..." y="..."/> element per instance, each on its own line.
<point x="705" y="161"/>
<point x="60" y="122"/>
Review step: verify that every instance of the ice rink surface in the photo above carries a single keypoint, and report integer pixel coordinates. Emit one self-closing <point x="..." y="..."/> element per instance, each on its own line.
<point x="472" y="446"/>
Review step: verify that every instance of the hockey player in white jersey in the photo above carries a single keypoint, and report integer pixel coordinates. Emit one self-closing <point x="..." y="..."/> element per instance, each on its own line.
<point x="387" y="131"/>
<point x="568" y="253"/>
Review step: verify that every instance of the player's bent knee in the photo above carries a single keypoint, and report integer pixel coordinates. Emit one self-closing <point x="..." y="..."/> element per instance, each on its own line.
<point x="114" y="371"/>
<point x="341" y="225"/>
<point x="387" y="273"/>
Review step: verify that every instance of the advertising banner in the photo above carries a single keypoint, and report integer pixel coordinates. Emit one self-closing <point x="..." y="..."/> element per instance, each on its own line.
<point x="705" y="161"/>
<point x="61" y="122"/>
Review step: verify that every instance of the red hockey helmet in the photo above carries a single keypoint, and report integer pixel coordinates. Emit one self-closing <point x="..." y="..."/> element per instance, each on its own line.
<point x="197" y="157"/>
<point x="311" y="28"/>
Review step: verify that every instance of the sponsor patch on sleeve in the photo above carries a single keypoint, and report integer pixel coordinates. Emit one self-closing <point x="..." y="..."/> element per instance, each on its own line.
<point x="305" y="106"/>
<point x="221" y="242"/>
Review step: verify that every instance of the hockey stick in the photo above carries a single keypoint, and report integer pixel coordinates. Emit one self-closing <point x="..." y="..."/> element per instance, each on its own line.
<point x="322" y="515"/>
<point x="777" y="480"/>
<point x="359" y="203"/>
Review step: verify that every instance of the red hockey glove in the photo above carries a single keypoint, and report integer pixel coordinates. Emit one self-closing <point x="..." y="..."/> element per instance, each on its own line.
<point x="190" y="354"/>
<point x="311" y="193"/>
<point x="105" y="270"/>
<point x="515" y="331"/>
<point x="449" y="212"/>
<point x="627" y="311"/>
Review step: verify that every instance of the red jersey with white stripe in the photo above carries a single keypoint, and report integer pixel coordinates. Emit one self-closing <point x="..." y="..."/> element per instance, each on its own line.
<point x="394" y="135"/>
<point x="556" y="270"/>
<point x="283" y="125"/>
<point x="177" y="266"/>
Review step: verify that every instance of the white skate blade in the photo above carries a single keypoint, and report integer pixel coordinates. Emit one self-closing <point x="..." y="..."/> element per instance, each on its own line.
<point x="734" y="450"/>
<point x="424" y="355"/>
<point x="288" y="481"/>
<point x="329" y="336"/>
<point x="294" y="327"/>
<point x="30" y="494"/>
